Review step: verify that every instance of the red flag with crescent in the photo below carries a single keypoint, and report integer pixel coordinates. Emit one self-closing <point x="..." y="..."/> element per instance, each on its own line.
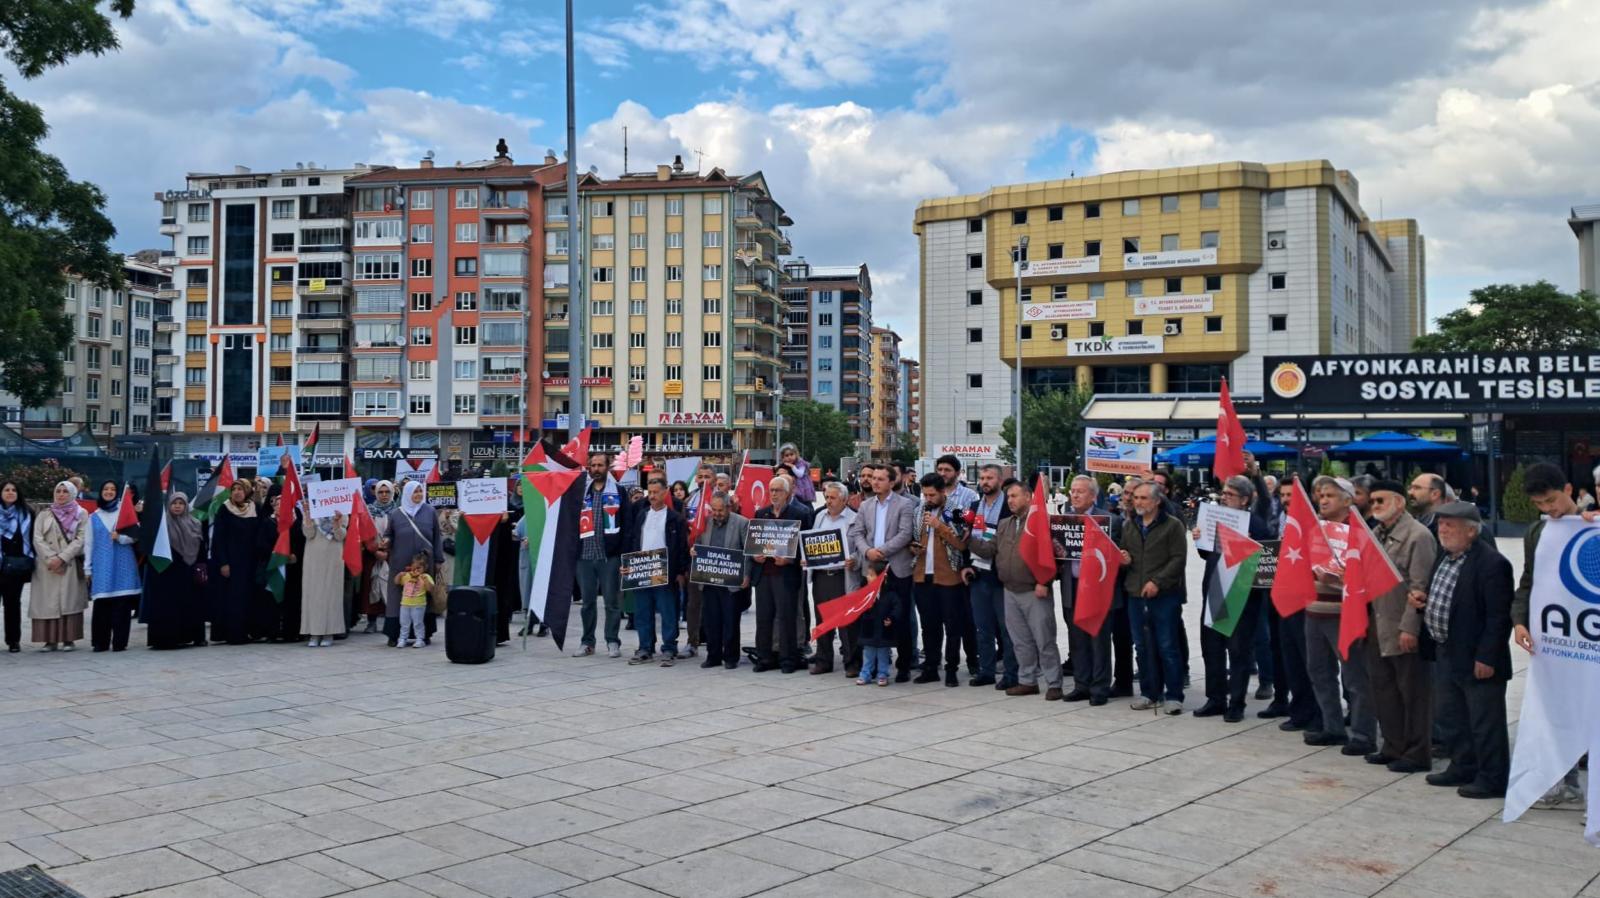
<point x="1098" y="568"/>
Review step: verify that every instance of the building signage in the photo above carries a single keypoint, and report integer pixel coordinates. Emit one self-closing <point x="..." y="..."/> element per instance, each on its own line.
<point x="1439" y="382"/>
<point x="1076" y="310"/>
<point x="1051" y="268"/>
<point x="1116" y="346"/>
<point x="1117" y="451"/>
<point x="689" y="418"/>
<point x="482" y="451"/>
<point x="1172" y="305"/>
<point x="1177" y="258"/>
<point x="585" y="381"/>
<point x="397" y="453"/>
<point x="967" y="451"/>
<point x="672" y="388"/>
<point x="171" y="195"/>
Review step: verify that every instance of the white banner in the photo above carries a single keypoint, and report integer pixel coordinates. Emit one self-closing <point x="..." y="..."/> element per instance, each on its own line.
<point x="1117" y="451"/>
<point x="329" y="496"/>
<point x="1172" y="304"/>
<point x="481" y="495"/>
<point x="1116" y="346"/>
<point x="1210" y="515"/>
<point x="1076" y="310"/>
<point x="683" y="469"/>
<point x="1177" y="258"/>
<point x="1049" y="268"/>
<point x="1558" y="722"/>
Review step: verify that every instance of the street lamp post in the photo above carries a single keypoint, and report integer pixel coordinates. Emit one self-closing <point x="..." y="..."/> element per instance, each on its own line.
<point x="1017" y="254"/>
<point x="577" y="310"/>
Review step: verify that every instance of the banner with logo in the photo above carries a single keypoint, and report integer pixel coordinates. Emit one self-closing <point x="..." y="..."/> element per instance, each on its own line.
<point x="1558" y="723"/>
<point x="1117" y="451"/>
<point x="823" y="549"/>
<point x="1434" y="382"/>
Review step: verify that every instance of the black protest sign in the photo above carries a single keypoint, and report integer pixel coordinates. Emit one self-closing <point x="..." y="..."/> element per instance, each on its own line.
<point x="1066" y="533"/>
<point x="717" y="567"/>
<point x="642" y="570"/>
<point x="772" y="538"/>
<point x="441" y="495"/>
<point x="823" y="549"/>
<point x="1267" y="565"/>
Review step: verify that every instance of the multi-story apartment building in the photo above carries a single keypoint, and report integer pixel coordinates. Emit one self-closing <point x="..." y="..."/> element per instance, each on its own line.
<point x="885" y="367"/>
<point x="1585" y="224"/>
<point x="447" y="279"/>
<point x="682" y="279"/>
<point x="826" y="352"/>
<point x="107" y="368"/>
<point x="258" y="336"/>
<point x="911" y="398"/>
<point x="1159" y="281"/>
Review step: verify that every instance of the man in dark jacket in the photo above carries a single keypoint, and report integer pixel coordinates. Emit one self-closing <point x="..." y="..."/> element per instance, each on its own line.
<point x="1466" y="628"/>
<point x="1154" y="551"/>
<point x="996" y="654"/>
<point x="655" y="525"/>
<point x="1091" y="657"/>
<point x="781" y="584"/>
<point x="603" y="524"/>
<point x="1227" y="658"/>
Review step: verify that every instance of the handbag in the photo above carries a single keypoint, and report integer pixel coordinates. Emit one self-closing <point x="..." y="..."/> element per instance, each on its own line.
<point x="18" y="566"/>
<point x="200" y="574"/>
<point x="439" y="597"/>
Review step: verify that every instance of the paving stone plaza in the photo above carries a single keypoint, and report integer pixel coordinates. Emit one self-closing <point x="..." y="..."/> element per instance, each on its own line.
<point x="286" y="772"/>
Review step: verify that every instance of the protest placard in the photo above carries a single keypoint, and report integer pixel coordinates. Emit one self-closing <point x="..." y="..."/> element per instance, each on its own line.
<point x="1267" y="565"/>
<point x="772" y="538"/>
<point x="481" y="495"/>
<point x="823" y="550"/>
<point x="269" y="459"/>
<point x="1066" y="533"/>
<point x="644" y="569"/>
<point x="328" y="496"/>
<point x="1117" y="451"/>
<point x="717" y="567"/>
<point x="441" y="495"/>
<point x="1210" y="515"/>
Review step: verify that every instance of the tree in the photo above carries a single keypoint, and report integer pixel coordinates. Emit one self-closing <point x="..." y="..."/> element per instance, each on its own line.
<point x="905" y="450"/>
<point x="1515" y="505"/>
<point x="1052" y="422"/>
<point x="821" y="432"/>
<point x="49" y="223"/>
<point x="1517" y="317"/>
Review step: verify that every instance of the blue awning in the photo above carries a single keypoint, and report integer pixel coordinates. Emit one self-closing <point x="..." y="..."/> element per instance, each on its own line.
<point x="1201" y="452"/>
<point x="1393" y="444"/>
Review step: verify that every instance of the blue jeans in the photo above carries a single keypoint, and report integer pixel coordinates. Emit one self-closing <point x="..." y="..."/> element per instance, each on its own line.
<point x="989" y="623"/>
<point x="874" y="661"/>
<point x="1155" y="633"/>
<point x="649" y="602"/>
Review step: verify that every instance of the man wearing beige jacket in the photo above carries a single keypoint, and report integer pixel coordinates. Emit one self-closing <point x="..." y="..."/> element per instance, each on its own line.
<point x="1397" y="675"/>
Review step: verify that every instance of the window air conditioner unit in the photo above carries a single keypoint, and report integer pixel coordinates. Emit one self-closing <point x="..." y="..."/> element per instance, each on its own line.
<point x="1274" y="243"/>
<point x="1058" y="332"/>
<point x="1172" y="330"/>
<point x="635" y="388"/>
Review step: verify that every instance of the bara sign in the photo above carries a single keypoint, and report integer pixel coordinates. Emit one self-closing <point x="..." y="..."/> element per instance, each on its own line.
<point x="1434" y="382"/>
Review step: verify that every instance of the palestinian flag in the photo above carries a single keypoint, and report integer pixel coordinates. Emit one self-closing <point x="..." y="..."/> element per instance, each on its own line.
<point x="552" y="500"/>
<point x="310" y="444"/>
<point x="1232" y="578"/>
<point x="278" y="564"/>
<point x="472" y="559"/>
<point x="154" y="541"/>
<point x="209" y="500"/>
<point x="127" y="517"/>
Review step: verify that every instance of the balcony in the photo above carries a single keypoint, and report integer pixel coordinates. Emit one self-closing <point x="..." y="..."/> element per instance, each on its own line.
<point x="328" y="348"/>
<point x="165" y="426"/>
<point x="322" y="286"/>
<point x="166" y="290"/>
<point x="166" y="324"/>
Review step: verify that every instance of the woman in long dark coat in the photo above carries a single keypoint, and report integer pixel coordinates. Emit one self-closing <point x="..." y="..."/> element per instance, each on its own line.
<point x="412" y="529"/>
<point x="280" y="620"/>
<point x="506" y="582"/>
<point x="174" y="607"/>
<point x="234" y="565"/>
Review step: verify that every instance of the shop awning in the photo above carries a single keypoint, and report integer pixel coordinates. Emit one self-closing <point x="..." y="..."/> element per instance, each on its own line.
<point x="1200" y="452"/>
<point x="1393" y="444"/>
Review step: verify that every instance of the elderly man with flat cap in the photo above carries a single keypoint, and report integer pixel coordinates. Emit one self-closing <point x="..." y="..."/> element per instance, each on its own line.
<point x="1466" y="629"/>
<point x="1400" y="680"/>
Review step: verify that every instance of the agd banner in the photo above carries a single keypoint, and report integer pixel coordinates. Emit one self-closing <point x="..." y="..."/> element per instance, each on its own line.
<point x="1558" y="721"/>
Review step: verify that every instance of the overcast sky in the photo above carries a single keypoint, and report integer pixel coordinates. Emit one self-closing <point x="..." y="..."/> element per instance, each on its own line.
<point x="1481" y="120"/>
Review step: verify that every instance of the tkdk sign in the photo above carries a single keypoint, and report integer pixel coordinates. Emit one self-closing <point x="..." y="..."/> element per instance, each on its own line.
<point x="1116" y="346"/>
<point x="1443" y="382"/>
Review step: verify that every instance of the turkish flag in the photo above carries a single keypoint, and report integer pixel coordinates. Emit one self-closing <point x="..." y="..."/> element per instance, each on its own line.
<point x="358" y="529"/>
<point x="1230" y="439"/>
<point x="843" y="611"/>
<point x="289" y="498"/>
<point x="1037" y="551"/>
<point x="752" y="489"/>
<point x="702" y="517"/>
<point x="1098" y="567"/>
<point x="1294" y="586"/>
<point x="1368" y="573"/>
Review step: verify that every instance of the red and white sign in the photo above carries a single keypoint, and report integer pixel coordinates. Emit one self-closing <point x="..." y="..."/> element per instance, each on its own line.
<point x="1077" y="310"/>
<point x="689" y="418"/>
<point x="1172" y="305"/>
<point x="586" y="381"/>
<point x="967" y="451"/>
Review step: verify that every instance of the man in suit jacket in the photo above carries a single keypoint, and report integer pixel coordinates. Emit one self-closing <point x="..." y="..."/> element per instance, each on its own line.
<point x="655" y="525"/>
<point x="882" y="534"/>
<point x="1091" y="656"/>
<point x="781" y="586"/>
<point x="1466" y="628"/>
<point x="983" y="584"/>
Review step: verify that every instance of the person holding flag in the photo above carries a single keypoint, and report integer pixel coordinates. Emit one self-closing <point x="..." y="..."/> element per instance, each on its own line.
<point x="1232" y="606"/>
<point x="882" y="533"/>
<point x="234" y="563"/>
<point x="174" y="607"/>
<point x="110" y="567"/>
<point x="1154" y="551"/>
<point x="1401" y="691"/>
<point x="1030" y="612"/>
<point x="1092" y="656"/>
<point x="1332" y="677"/>
<point x="603" y="524"/>
<point x="287" y="546"/>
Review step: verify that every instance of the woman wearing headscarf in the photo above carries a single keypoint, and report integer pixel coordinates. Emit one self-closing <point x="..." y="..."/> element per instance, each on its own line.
<point x="506" y="580"/>
<point x="280" y="618"/>
<point x="234" y="565"/>
<point x="413" y="530"/>
<point x="112" y="571"/>
<point x="16" y="559"/>
<point x="375" y="560"/>
<point x="174" y="605"/>
<point x="322" y="573"/>
<point x="58" y="597"/>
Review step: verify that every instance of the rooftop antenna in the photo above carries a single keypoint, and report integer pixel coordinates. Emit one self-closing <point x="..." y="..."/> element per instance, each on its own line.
<point x="624" y="149"/>
<point x="698" y="154"/>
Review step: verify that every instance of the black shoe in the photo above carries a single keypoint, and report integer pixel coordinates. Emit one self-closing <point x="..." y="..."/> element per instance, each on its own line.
<point x="1121" y="692"/>
<point x="1210" y="709"/>
<point x="1097" y="701"/>
<point x="1271" y="711"/>
<point x="393" y="643"/>
<point x="1378" y="757"/>
<point x="1003" y="685"/>
<point x="903" y="676"/>
<point x="1480" y="790"/>
<point x="951" y="680"/>
<point x="1263" y="692"/>
<point x="1354" y="749"/>
<point x="1291" y="726"/>
<point x="1076" y="695"/>
<point x="731" y="665"/>
<point x="1450" y="776"/>
<point x="1324" y="739"/>
<point x="13" y="648"/>
<point x="981" y="681"/>
<point x="708" y="663"/>
<point x="787" y="668"/>
<point x="1234" y="714"/>
<point x="97" y="649"/>
<point x="1403" y="766"/>
<point x="926" y="677"/>
<point x="763" y="667"/>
